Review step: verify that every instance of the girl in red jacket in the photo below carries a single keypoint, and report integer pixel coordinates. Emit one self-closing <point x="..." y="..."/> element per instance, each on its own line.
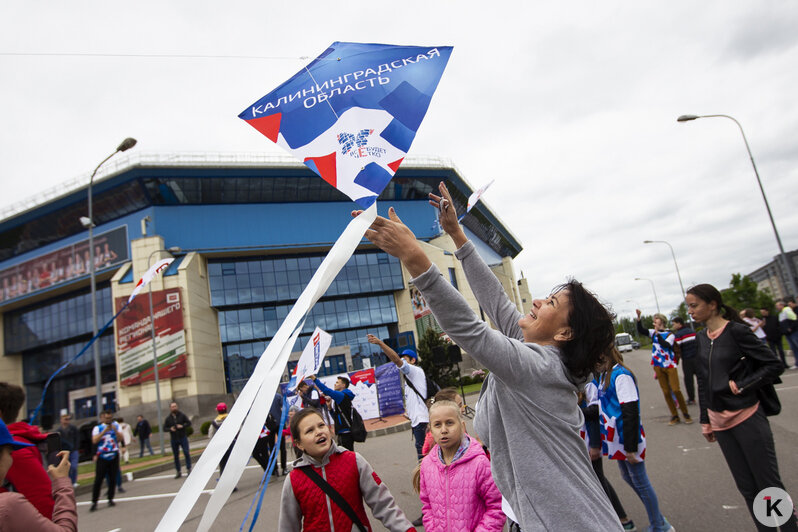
<point x="305" y="506"/>
<point x="456" y="486"/>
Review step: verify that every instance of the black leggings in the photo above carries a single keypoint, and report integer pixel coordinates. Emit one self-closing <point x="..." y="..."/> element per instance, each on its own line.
<point x="751" y="456"/>
<point x="608" y="489"/>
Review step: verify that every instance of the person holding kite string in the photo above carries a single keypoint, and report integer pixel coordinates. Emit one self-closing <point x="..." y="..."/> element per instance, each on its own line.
<point x="527" y="413"/>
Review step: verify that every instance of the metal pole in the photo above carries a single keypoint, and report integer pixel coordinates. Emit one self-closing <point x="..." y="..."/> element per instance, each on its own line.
<point x="656" y="299"/>
<point x="155" y="357"/>
<point x="93" y="277"/>
<point x="679" y="275"/>
<point x="792" y="285"/>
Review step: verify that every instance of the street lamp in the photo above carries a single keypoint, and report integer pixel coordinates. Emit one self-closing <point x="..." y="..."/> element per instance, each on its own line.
<point x="677" y="268"/>
<point x="793" y="287"/>
<point x="174" y="249"/>
<point x="654" y="289"/>
<point x="89" y="223"/>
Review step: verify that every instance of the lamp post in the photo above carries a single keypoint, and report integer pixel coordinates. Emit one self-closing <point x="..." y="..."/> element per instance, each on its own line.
<point x="679" y="275"/>
<point x="793" y="286"/>
<point x="154" y="351"/>
<point x="656" y="300"/>
<point x="89" y="223"/>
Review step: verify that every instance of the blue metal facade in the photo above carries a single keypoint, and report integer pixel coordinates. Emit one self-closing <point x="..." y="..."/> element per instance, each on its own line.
<point x="255" y="226"/>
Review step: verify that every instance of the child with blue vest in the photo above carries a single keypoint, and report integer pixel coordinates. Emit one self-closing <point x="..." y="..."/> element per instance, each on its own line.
<point x="591" y="433"/>
<point x="665" y="363"/>
<point x="622" y="434"/>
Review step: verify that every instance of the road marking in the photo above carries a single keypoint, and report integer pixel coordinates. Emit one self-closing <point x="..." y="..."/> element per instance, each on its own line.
<point x="787" y="388"/>
<point x="139" y="498"/>
<point x="730" y="507"/>
<point x="696" y="449"/>
<point x="115" y="530"/>
<point x="161" y="477"/>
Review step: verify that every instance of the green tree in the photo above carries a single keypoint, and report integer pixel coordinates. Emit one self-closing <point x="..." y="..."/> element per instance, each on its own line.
<point x="443" y="375"/>
<point x="681" y="312"/>
<point x="743" y="292"/>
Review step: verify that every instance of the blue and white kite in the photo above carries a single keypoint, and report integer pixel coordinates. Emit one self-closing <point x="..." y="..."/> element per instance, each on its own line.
<point x="352" y="114"/>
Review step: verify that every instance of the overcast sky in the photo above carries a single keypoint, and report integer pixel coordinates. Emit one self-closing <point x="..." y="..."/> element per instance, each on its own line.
<point x="570" y="107"/>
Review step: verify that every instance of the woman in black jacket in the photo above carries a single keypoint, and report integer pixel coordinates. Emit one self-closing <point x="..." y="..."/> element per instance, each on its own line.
<point x="731" y="413"/>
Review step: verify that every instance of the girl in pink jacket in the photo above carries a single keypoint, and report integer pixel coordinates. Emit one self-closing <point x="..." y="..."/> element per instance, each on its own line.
<point x="456" y="487"/>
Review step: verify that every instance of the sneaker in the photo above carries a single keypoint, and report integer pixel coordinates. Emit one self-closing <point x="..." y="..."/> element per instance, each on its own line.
<point x="674" y="421"/>
<point x="75" y="485"/>
<point x="93" y="507"/>
<point x="688" y="420"/>
<point x="120" y="489"/>
<point x="419" y="521"/>
<point x="690" y="402"/>
<point x="111" y="503"/>
<point x="629" y="526"/>
<point x="178" y="475"/>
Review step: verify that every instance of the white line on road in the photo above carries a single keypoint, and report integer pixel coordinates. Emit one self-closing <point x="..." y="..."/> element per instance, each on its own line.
<point x="161" y="477"/>
<point x="696" y="449"/>
<point x="786" y="388"/>
<point x="730" y="507"/>
<point x="140" y="498"/>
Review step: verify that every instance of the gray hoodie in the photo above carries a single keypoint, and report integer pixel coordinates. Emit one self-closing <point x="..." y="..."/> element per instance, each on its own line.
<point x="527" y="412"/>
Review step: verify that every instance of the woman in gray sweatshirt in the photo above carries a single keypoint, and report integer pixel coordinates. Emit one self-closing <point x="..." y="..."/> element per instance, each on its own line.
<point x="527" y="413"/>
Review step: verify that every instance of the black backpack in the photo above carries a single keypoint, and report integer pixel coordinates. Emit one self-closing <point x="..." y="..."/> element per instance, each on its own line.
<point x="354" y="421"/>
<point x="432" y="387"/>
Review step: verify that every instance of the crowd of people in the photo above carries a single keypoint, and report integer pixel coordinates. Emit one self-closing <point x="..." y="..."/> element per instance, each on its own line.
<point x="558" y="397"/>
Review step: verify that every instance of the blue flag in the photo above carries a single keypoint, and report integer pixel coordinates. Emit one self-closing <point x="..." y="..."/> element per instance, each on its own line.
<point x="353" y="112"/>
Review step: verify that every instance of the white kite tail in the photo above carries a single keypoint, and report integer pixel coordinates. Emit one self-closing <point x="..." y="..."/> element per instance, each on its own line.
<point x="251" y="408"/>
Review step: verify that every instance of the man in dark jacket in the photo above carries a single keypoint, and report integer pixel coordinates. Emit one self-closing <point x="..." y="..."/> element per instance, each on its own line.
<point x="143" y="431"/>
<point x="343" y="397"/>
<point x="685" y="340"/>
<point x="773" y="333"/>
<point x="70" y="441"/>
<point x="175" y="424"/>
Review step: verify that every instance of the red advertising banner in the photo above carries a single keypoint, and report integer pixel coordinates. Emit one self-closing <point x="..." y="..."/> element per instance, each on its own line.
<point x="61" y="265"/>
<point x="134" y="337"/>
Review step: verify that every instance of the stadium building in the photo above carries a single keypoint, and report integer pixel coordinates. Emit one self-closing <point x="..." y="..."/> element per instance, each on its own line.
<point x="247" y="233"/>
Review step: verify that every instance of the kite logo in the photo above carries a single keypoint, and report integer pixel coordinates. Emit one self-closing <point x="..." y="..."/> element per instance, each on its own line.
<point x="356" y="146"/>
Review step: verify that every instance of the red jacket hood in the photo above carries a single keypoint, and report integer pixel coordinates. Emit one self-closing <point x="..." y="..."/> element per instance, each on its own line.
<point x="29" y="432"/>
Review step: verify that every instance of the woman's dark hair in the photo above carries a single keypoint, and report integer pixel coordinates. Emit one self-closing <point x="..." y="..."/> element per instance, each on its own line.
<point x="592" y="330"/>
<point x="12" y="397"/>
<point x="709" y="294"/>
<point x="613" y="356"/>
<point x="297" y="419"/>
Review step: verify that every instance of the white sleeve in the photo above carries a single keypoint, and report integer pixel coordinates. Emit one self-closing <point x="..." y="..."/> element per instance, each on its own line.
<point x="625" y="389"/>
<point x="591" y="393"/>
<point x="95" y="431"/>
<point x="670" y="338"/>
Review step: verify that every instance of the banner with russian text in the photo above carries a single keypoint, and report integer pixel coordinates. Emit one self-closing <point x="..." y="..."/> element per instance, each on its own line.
<point x="134" y="338"/>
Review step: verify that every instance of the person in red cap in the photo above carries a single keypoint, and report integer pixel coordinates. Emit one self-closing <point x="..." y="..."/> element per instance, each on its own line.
<point x="221" y="411"/>
<point x="17" y="513"/>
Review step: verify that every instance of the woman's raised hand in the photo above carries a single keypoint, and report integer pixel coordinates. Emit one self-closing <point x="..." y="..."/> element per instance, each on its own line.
<point x="395" y="238"/>
<point x="448" y="214"/>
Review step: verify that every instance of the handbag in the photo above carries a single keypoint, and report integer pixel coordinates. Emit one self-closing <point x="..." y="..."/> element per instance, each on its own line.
<point x="336" y="497"/>
<point x="768" y="398"/>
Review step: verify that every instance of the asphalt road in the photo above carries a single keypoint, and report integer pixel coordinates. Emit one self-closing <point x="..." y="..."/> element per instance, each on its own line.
<point x="694" y="486"/>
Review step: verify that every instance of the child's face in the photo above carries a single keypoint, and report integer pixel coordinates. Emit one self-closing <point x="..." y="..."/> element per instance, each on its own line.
<point x="446" y="427"/>
<point x="315" y="438"/>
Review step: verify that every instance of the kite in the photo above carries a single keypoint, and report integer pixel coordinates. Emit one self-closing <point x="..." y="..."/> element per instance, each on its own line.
<point x="312" y="357"/>
<point x="352" y="113"/>
<point x="350" y="116"/>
